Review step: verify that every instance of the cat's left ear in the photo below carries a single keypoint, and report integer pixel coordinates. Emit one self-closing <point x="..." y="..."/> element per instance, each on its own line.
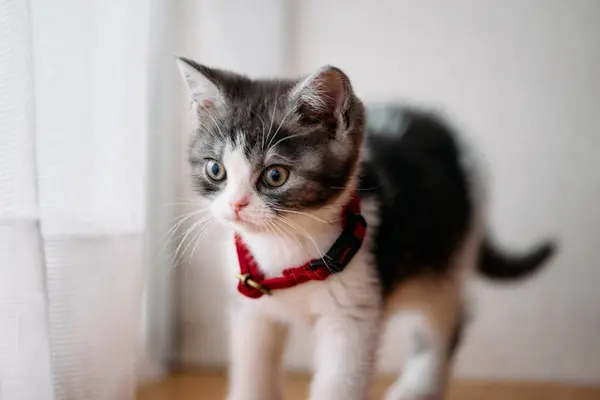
<point x="325" y="95"/>
<point x="201" y="83"/>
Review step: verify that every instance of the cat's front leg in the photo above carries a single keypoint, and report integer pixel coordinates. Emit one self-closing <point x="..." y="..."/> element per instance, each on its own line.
<point x="256" y="348"/>
<point x="345" y="356"/>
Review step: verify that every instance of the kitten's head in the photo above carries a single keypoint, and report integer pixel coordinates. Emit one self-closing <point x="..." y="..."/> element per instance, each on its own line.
<point x="269" y="154"/>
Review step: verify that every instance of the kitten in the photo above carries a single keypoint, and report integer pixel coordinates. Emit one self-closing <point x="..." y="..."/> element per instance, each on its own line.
<point x="281" y="161"/>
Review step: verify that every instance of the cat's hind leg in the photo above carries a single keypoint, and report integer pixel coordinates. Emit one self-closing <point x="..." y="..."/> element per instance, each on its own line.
<point x="439" y="300"/>
<point x="426" y="371"/>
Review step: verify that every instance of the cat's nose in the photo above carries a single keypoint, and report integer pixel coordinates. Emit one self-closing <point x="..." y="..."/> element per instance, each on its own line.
<point x="240" y="204"/>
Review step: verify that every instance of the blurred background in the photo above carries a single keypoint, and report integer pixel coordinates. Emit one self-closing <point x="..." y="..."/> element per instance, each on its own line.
<point x="93" y="130"/>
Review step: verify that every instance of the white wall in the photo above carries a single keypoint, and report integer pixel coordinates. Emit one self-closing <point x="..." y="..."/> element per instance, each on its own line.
<point x="521" y="80"/>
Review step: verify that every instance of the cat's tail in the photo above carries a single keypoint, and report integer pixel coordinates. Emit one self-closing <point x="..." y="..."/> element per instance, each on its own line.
<point x="498" y="265"/>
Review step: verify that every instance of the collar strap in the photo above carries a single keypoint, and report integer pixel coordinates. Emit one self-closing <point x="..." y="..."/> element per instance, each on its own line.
<point x="253" y="284"/>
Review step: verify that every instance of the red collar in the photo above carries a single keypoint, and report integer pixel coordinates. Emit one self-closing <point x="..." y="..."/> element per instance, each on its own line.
<point x="253" y="283"/>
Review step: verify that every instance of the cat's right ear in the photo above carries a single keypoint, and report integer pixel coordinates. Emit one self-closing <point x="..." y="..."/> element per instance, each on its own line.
<point x="201" y="85"/>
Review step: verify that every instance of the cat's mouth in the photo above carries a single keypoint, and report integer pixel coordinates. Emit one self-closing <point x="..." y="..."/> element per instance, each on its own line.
<point x="249" y="222"/>
<point x="246" y="224"/>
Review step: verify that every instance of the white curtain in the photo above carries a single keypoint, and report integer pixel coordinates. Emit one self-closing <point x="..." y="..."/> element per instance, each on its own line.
<point x="77" y="196"/>
<point x="25" y="371"/>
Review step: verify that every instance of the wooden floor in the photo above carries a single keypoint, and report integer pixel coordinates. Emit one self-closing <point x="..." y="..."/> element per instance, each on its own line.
<point x="210" y="385"/>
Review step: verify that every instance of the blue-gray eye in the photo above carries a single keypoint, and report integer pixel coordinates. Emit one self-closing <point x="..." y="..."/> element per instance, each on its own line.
<point x="215" y="170"/>
<point x="275" y="176"/>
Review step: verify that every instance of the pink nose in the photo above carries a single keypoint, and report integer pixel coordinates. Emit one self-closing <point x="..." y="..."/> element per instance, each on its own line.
<point x="239" y="205"/>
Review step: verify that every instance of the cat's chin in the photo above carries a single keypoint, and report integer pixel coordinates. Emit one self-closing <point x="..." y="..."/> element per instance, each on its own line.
<point x="244" y="226"/>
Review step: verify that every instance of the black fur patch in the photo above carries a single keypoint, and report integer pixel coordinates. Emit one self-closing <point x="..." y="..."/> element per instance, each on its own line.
<point x="425" y="207"/>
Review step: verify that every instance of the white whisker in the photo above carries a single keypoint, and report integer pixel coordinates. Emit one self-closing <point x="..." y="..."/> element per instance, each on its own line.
<point x="185" y="236"/>
<point x="273" y="113"/>
<point x="180" y="259"/>
<point x="182" y="218"/>
<point x="203" y="228"/>
<point x="280" y="125"/>
<point x="292" y="236"/>
<point x="286" y="138"/>
<point x="305" y="214"/>
<point x="213" y="119"/>
<point x="270" y="228"/>
<point x="178" y="204"/>
<point x="262" y="122"/>
<point x="200" y="237"/>
<point x="212" y="133"/>
<point x="308" y="236"/>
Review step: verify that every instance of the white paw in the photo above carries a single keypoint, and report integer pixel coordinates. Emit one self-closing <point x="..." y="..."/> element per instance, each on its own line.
<point x="424" y="378"/>
<point x="416" y="384"/>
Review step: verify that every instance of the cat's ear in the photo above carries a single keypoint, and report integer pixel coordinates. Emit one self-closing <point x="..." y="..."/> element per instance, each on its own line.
<point x="201" y="84"/>
<point x="324" y="95"/>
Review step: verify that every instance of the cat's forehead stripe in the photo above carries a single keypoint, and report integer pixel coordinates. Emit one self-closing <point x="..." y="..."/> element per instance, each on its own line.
<point x="237" y="164"/>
